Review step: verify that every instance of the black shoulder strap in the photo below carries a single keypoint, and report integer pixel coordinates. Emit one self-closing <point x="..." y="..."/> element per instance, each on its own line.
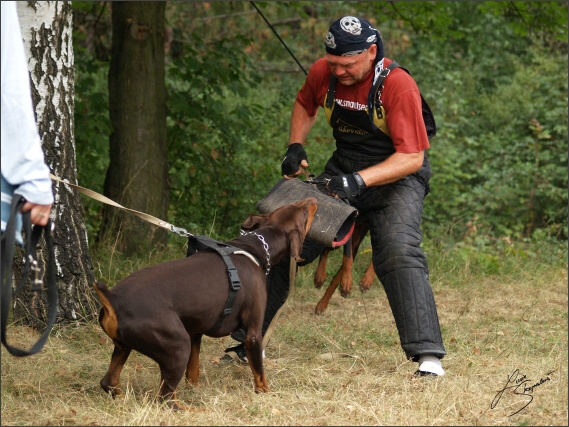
<point x="374" y="100"/>
<point x="200" y="243"/>
<point x="32" y="238"/>
<point x="331" y="91"/>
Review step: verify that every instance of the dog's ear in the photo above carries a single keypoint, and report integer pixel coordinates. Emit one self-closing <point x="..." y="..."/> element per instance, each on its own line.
<point x="296" y="239"/>
<point x="254" y="221"/>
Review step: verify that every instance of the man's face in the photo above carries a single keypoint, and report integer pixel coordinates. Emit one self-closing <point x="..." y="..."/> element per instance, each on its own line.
<point x="352" y="69"/>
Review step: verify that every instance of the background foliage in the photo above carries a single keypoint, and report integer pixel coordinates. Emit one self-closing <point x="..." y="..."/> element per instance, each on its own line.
<point x="494" y="73"/>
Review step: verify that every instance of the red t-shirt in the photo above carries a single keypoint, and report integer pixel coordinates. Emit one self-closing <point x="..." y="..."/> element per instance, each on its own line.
<point x="400" y="97"/>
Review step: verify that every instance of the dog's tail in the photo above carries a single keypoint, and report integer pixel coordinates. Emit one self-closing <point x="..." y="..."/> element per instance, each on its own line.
<point x="108" y="316"/>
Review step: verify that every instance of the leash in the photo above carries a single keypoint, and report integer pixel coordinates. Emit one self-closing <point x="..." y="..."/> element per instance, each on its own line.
<point x="149" y="218"/>
<point x="8" y="245"/>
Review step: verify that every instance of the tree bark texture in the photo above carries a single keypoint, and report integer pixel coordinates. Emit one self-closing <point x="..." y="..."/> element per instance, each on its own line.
<point x="47" y="31"/>
<point x="138" y="169"/>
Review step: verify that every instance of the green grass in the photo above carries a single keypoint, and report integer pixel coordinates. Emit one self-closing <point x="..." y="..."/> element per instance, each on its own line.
<point x="502" y="308"/>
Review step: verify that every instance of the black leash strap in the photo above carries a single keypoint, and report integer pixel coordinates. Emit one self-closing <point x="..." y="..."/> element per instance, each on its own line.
<point x="198" y="243"/>
<point x="32" y="238"/>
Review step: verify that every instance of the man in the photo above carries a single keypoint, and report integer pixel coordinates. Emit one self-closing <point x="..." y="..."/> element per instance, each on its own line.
<point x="380" y="167"/>
<point x="24" y="171"/>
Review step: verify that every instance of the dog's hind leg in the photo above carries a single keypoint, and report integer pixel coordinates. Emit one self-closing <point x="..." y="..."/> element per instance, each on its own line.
<point x="110" y="382"/>
<point x="173" y="364"/>
<point x="193" y="369"/>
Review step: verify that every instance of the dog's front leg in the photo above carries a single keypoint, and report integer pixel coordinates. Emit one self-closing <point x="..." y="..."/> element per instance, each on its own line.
<point x="367" y="278"/>
<point x="320" y="275"/>
<point x="254" y="347"/>
<point x="323" y="303"/>
<point x="193" y="369"/>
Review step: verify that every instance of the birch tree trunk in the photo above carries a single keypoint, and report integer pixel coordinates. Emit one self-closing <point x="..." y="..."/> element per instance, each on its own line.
<point x="47" y="31"/>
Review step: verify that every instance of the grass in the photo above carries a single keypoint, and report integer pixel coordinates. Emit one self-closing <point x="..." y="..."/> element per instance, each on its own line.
<point x="503" y="310"/>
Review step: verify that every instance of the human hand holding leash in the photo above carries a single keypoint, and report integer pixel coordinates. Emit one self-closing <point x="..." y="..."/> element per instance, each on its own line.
<point x="39" y="214"/>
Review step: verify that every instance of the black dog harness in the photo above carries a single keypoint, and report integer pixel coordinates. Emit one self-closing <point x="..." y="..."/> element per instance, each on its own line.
<point x="200" y="243"/>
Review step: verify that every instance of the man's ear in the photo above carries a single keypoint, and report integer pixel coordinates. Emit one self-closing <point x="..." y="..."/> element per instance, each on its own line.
<point x="373" y="51"/>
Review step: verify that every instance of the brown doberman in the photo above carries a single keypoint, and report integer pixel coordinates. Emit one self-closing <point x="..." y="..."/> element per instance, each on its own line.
<point x="344" y="276"/>
<point x="163" y="311"/>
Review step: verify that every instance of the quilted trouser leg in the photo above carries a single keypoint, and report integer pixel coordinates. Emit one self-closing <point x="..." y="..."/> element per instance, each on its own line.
<point x="401" y="266"/>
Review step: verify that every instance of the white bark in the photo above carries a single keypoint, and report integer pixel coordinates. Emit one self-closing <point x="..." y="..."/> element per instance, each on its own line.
<point x="48" y="33"/>
<point x="56" y="58"/>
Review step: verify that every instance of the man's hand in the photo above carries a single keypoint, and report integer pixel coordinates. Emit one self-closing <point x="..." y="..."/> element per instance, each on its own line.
<point x="295" y="154"/>
<point x="346" y="186"/>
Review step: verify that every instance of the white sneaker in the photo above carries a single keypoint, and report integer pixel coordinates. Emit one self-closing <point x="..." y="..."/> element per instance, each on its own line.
<point x="430" y="365"/>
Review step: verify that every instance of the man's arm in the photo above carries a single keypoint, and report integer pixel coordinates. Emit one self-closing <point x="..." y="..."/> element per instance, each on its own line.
<point x="395" y="167"/>
<point x="300" y="125"/>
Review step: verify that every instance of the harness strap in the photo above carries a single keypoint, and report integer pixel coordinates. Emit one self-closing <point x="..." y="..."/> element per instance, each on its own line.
<point x="32" y="238"/>
<point x="374" y="101"/>
<point x="199" y="243"/>
<point x="331" y="91"/>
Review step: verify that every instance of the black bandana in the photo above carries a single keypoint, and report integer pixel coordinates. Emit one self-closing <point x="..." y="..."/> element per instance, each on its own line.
<point x="350" y="36"/>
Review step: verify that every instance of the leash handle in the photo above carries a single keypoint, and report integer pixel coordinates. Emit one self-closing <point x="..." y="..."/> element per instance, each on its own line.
<point x="305" y="172"/>
<point x="8" y="245"/>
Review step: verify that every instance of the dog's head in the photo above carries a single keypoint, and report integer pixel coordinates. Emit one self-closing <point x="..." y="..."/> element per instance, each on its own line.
<point x="293" y="219"/>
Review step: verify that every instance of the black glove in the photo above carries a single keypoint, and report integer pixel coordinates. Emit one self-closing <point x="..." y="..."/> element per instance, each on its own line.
<point x="294" y="155"/>
<point x="346" y="186"/>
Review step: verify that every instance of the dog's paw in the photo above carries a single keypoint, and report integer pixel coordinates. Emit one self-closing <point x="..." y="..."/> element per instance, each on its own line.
<point x="319" y="280"/>
<point x="364" y="286"/>
<point x="345" y="290"/>
<point x="320" y="308"/>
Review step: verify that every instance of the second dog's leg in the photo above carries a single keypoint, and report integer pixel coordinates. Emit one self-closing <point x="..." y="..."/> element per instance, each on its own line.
<point x="367" y="278"/>
<point x="346" y="276"/>
<point x="110" y="382"/>
<point x="323" y="303"/>
<point x="193" y="369"/>
<point x="320" y="275"/>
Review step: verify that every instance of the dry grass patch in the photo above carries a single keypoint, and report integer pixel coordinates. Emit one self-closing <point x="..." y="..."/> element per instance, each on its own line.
<point x="344" y="367"/>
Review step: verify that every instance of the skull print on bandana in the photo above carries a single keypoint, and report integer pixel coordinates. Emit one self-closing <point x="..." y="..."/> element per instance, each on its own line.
<point x="352" y="25"/>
